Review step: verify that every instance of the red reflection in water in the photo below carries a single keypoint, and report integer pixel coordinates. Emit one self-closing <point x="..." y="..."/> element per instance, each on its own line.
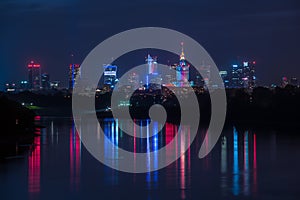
<point x="37" y="118"/>
<point x="34" y="168"/>
<point x="182" y="161"/>
<point x="75" y="154"/>
<point x="185" y="161"/>
<point x="171" y="131"/>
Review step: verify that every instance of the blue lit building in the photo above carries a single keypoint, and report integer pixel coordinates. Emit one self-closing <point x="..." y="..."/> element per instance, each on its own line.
<point x="153" y="79"/>
<point x="110" y="75"/>
<point x="74" y="72"/>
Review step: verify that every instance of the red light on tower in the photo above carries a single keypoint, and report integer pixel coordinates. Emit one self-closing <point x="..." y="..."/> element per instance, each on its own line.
<point x="34" y="75"/>
<point x="75" y="66"/>
<point x="254" y="62"/>
<point x="33" y="65"/>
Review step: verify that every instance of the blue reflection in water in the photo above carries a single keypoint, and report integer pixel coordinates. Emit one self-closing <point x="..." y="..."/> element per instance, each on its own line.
<point x="148" y="178"/>
<point x="152" y="177"/>
<point x="155" y="148"/>
<point x="246" y="163"/>
<point x="111" y="130"/>
<point x="236" y="176"/>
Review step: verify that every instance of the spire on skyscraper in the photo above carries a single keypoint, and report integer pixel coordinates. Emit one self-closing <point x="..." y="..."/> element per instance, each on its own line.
<point x="182" y="52"/>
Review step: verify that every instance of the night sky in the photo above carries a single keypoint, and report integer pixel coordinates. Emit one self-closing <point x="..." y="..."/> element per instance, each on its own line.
<point x="49" y="31"/>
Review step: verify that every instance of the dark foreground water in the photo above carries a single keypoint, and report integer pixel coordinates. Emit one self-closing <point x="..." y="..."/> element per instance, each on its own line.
<point x="245" y="164"/>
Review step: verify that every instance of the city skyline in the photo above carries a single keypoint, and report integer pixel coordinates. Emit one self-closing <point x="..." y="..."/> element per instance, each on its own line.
<point x="241" y="74"/>
<point x="49" y="32"/>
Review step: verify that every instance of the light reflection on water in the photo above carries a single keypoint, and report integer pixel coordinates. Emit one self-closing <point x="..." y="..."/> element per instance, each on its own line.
<point x="34" y="168"/>
<point x="58" y="161"/>
<point x="75" y="158"/>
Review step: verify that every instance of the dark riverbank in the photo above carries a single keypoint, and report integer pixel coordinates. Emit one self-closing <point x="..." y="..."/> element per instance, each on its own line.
<point x="260" y="107"/>
<point x="17" y="128"/>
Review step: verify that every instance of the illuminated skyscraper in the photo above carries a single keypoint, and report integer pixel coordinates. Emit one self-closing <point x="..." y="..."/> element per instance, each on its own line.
<point x="153" y="79"/>
<point x="249" y="74"/>
<point x="34" y="75"/>
<point x="243" y="75"/>
<point x="182" y="70"/>
<point x="110" y="75"/>
<point x="235" y="76"/>
<point x="152" y="64"/>
<point x="74" y="73"/>
<point x="224" y="76"/>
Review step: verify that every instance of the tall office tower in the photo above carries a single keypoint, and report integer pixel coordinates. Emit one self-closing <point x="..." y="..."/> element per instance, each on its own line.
<point x="243" y="75"/>
<point x="224" y="76"/>
<point x="153" y="79"/>
<point x="252" y="77"/>
<point x="110" y="75"/>
<point x="45" y="78"/>
<point x="152" y="65"/>
<point x="34" y="75"/>
<point x="236" y="76"/>
<point x="74" y="73"/>
<point x="182" y="70"/>
<point x="248" y="78"/>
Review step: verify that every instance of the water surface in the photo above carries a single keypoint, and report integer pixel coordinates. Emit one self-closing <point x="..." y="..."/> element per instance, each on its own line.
<point x="245" y="164"/>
